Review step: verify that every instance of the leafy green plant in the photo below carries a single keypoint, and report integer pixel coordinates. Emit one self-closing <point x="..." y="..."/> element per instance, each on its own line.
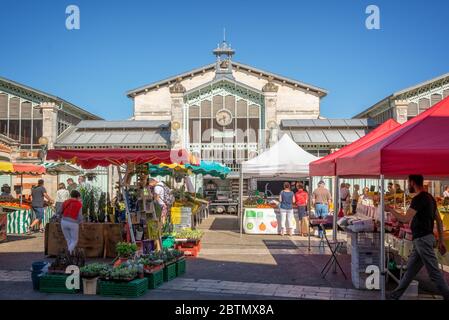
<point x="93" y="270"/>
<point x="189" y="234"/>
<point x="125" y="249"/>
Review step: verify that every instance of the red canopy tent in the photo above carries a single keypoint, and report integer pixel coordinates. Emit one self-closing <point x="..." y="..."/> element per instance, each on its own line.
<point x="327" y="166"/>
<point x="419" y="146"/>
<point x="92" y="158"/>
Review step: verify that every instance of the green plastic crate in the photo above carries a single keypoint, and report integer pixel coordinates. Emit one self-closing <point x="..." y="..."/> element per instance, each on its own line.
<point x="180" y="267"/>
<point x="132" y="289"/>
<point x="155" y="279"/>
<point x="170" y="272"/>
<point x="54" y="283"/>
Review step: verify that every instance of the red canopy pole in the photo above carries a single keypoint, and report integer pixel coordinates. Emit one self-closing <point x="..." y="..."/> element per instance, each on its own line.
<point x="128" y="214"/>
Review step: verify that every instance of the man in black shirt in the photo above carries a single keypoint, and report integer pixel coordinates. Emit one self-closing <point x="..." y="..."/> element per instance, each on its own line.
<point x="422" y="214"/>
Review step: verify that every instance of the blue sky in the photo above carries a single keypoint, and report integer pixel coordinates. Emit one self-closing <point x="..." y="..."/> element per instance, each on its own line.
<point x="125" y="44"/>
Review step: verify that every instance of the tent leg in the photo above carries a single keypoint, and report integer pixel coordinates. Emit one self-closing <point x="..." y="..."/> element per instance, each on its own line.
<point x="382" y="238"/>
<point x="309" y="207"/>
<point x="241" y="211"/>
<point x="336" y="208"/>
<point x="128" y="214"/>
<point x="21" y="189"/>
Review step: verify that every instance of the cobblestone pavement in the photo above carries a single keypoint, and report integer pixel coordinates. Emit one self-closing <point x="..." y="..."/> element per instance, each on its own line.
<point x="230" y="266"/>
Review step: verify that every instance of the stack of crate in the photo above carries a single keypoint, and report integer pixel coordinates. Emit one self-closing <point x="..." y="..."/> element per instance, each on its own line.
<point x="365" y="251"/>
<point x="181" y="217"/>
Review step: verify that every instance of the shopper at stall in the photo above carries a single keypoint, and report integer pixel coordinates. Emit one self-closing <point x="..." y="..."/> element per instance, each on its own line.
<point x="390" y="189"/>
<point x="72" y="216"/>
<point x="355" y="198"/>
<point x="287" y="199"/>
<point x="345" y="197"/>
<point x="422" y="214"/>
<point x="301" y="200"/>
<point x="61" y="196"/>
<point x="6" y="190"/>
<point x="161" y="196"/>
<point x="71" y="185"/>
<point x="38" y="194"/>
<point x="83" y="183"/>
<point x="321" y="200"/>
<point x="397" y="188"/>
<point x="446" y="192"/>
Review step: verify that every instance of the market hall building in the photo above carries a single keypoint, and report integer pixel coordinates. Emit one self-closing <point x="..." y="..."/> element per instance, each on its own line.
<point x="205" y="110"/>
<point x="26" y="115"/>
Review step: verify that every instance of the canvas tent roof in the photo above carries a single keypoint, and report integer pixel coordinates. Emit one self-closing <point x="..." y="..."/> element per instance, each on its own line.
<point x="419" y="146"/>
<point x="285" y="158"/>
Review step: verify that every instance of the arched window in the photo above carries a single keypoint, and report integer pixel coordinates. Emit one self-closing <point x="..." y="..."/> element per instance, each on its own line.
<point x="424" y="104"/>
<point x="435" y="98"/>
<point x="412" y="109"/>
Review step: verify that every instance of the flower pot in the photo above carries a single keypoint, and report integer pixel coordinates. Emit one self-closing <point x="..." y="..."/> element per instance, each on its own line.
<point x="90" y="286"/>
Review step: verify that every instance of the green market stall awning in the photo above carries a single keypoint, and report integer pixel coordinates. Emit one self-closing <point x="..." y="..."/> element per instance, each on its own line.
<point x="211" y="168"/>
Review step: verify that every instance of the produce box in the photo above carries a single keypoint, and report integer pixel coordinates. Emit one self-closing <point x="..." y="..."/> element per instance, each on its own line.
<point x="180" y="267"/>
<point x="170" y="272"/>
<point x="131" y="289"/>
<point x="54" y="283"/>
<point x="155" y="278"/>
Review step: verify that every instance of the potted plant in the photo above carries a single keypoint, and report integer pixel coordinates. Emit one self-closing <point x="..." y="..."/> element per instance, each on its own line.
<point x="90" y="274"/>
<point x="123" y="273"/>
<point x="124" y="251"/>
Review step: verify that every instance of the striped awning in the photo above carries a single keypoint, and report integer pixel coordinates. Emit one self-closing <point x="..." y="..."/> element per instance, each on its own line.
<point x="55" y="168"/>
<point x="20" y="168"/>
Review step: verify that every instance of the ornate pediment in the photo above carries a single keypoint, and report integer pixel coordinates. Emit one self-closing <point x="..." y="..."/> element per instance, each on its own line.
<point x="270" y="86"/>
<point x="177" y="88"/>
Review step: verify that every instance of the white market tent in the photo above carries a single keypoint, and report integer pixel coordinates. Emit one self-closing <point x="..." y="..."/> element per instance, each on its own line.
<point x="284" y="159"/>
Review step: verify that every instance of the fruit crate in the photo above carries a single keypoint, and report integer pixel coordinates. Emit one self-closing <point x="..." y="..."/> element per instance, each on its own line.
<point x="180" y="267"/>
<point x="155" y="278"/>
<point x="170" y="272"/>
<point x="131" y="289"/>
<point x="54" y="283"/>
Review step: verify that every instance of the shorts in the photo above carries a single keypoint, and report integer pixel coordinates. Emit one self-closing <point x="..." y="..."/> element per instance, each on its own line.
<point x="321" y="210"/>
<point x="39" y="213"/>
<point x="302" y="212"/>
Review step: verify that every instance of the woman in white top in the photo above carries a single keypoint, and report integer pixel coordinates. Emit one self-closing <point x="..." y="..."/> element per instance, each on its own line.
<point x="61" y="195"/>
<point x="446" y="192"/>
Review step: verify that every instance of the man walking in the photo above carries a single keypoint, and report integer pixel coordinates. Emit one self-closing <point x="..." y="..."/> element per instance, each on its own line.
<point x="422" y="214"/>
<point x="38" y="194"/>
<point x="321" y="200"/>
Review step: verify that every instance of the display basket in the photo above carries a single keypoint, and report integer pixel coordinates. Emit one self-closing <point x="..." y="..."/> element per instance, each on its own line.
<point x="131" y="289"/>
<point x="54" y="283"/>
<point x="155" y="278"/>
<point x="180" y="267"/>
<point x="170" y="272"/>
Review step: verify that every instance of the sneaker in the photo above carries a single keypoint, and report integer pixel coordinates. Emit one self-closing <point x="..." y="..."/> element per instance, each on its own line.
<point x="29" y="232"/>
<point x="41" y="230"/>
